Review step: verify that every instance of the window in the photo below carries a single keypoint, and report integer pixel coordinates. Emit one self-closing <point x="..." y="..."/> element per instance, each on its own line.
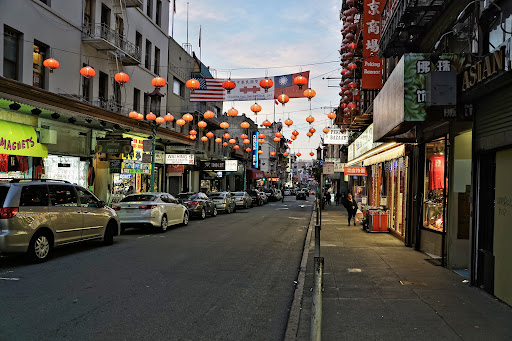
<point x="146" y="103"/>
<point x="35" y="195"/>
<point x="177" y="87"/>
<point x="117" y="96"/>
<point x="88" y="12"/>
<point x="38" y="70"/>
<point x="149" y="8"/>
<point x="157" y="60"/>
<point x="103" y="89"/>
<point x="119" y="25"/>
<point x="158" y="17"/>
<point x="138" y="42"/>
<point x="86" y="87"/>
<point x="147" y="61"/>
<point x="136" y="99"/>
<point x="63" y="195"/>
<point x="105" y="15"/>
<point x="11" y="53"/>
<point x="87" y="199"/>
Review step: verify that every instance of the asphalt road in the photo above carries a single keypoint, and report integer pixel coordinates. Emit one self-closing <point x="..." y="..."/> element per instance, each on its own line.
<point x="230" y="277"/>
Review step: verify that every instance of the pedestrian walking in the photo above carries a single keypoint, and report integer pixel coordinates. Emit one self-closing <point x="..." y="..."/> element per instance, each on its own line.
<point x="130" y="190"/>
<point x="337" y="198"/>
<point x="328" y="198"/>
<point x="351" y="206"/>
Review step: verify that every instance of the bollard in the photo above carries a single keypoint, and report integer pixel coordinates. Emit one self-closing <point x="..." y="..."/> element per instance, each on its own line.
<point x="317" y="240"/>
<point x="316" y="308"/>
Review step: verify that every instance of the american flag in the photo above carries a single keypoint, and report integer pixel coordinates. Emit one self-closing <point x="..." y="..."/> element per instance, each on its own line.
<point x="210" y="90"/>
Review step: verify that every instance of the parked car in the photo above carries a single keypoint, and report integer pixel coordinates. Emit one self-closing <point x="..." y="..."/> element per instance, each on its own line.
<point x="198" y="204"/>
<point x="273" y="194"/>
<point x="255" y="196"/>
<point x="242" y="199"/>
<point x="287" y="192"/>
<point x="301" y="196"/>
<point x="263" y="197"/>
<point x="159" y="210"/>
<point x="37" y="215"/>
<point x="306" y="190"/>
<point x="224" y="201"/>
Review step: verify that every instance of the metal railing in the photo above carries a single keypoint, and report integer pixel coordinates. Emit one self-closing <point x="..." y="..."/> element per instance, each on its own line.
<point x="103" y="31"/>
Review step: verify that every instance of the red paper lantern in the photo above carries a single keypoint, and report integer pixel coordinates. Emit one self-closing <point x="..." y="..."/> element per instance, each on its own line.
<point x="192" y="137"/>
<point x="244" y="136"/>
<point x="150" y="117"/>
<point x="309" y="134"/>
<point x="309" y="93"/>
<point x="209" y="134"/>
<point x="228" y="85"/>
<point x="283" y="99"/>
<point x="267" y="123"/>
<point x="87" y="71"/>
<point x="312" y="154"/>
<point x="310" y="119"/>
<point x="181" y="122"/>
<point x="300" y="81"/>
<point x="295" y="132"/>
<point x="293" y="137"/>
<point x="248" y="150"/>
<point x="51" y="64"/>
<point x="232" y="112"/>
<point x="232" y="141"/>
<point x="209" y="114"/>
<point x="261" y="141"/>
<point x="278" y="134"/>
<point x="351" y="106"/>
<point x="159" y="120"/>
<point x="255" y="108"/>
<point x="133" y="114"/>
<point x="121" y="78"/>
<point x="218" y="140"/>
<point x="192" y="132"/>
<point x="193" y="84"/>
<point x="285" y="154"/>
<point x="299" y="154"/>
<point x="246" y="141"/>
<point x="188" y="117"/>
<point x="277" y="139"/>
<point x="288" y="122"/>
<point x="236" y="147"/>
<point x="225" y="144"/>
<point x="352" y="66"/>
<point x="201" y="124"/>
<point x="158" y="82"/>
<point x="260" y="152"/>
<point x="266" y="84"/>
<point x="261" y="136"/>
<point x="325" y="130"/>
<point x="272" y="153"/>
<point x="352" y="46"/>
<point x="204" y="139"/>
<point x="332" y="115"/>
<point x="245" y="125"/>
<point x="226" y="136"/>
<point x="169" y="117"/>
<point x="312" y="130"/>
<point x="224" y="125"/>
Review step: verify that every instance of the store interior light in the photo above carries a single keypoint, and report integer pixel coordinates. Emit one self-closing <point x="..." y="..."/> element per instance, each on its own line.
<point x="371" y="153"/>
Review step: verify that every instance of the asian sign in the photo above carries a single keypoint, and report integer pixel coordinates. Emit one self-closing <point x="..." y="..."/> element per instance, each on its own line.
<point x="255" y="147"/>
<point x="328" y="168"/>
<point x="231" y="165"/>
<point x="339" y="167"/>
<point x="335" y="136"/>
<point x="179" y="159"/>
<point x="355" y="171"/>
<point x="362" y="144"/>
<point x="372" y="64"/>
<point x="212" y="165"/>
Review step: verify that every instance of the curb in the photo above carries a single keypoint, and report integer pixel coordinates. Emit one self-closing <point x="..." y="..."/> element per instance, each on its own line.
<point x="292" y="326"/>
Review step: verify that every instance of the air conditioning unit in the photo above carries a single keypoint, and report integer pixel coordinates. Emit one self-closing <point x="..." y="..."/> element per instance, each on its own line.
<point x="47" y="136"/>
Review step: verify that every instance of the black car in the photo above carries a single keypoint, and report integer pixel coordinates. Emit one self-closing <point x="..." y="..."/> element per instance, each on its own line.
<point x="301" y="195"/>
<point x="256" y="198"/>
<point x="198" y="204"/>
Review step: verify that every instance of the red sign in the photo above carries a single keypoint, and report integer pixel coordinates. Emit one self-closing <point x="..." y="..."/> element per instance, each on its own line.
<point x="175" y="169"/>
<point x="372" y="64"/>
<point x="355" y="171"/>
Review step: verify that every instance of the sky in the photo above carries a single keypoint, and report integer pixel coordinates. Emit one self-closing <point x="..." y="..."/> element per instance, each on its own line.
<point x="245" y="39"/>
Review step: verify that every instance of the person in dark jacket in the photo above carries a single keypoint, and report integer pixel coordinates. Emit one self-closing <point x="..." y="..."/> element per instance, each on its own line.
<point x="351" y="206"/>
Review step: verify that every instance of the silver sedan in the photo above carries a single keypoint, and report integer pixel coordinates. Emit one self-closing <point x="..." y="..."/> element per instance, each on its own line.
<point x="159" y="210"/>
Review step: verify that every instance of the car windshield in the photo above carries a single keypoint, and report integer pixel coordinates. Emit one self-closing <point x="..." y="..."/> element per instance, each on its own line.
<point x="187" y="196"/>
<point x="3" y="194"/>
<point x="252" y="192"/>
<point x="217" y="195"/>
<point x="239" y="194"/>
<point x="139" y="197"/>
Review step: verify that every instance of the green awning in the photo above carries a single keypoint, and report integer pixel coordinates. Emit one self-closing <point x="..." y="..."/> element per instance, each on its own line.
<point x="20" y="139"/>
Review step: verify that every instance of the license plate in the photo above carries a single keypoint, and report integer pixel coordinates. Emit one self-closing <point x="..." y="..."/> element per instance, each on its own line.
<point x="130" y="210"/>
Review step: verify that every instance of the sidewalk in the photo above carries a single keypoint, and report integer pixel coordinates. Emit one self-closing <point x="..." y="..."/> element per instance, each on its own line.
<point x="363" y="297"/>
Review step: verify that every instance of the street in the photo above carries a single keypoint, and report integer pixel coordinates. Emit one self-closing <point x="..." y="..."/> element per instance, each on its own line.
<point x="229" y="277"/>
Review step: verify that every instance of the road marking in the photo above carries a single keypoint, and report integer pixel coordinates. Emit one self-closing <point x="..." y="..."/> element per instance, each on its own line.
<point x="296" y="218"/>
<point x="354" y="270"/>
<point x="305" y="206"/>
<point x="9" y="278"/>
<point x="284" y="208"/>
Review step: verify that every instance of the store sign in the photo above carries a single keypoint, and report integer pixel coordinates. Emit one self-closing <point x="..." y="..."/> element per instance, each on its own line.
<point x="372" y="64"/>
<point x="335" y="136"/>
<point x="255" y="147"/>
<point x="175" y="169"/>
<point x="179" y="159"/>
<point x="113" y="146"/>
<point x="355" y="171"/>
<point x="339" y="167"/>
<point x="159" y="157"/>
<point x="212" y="165"/>
<point x="20" y="139"/>
<point x="362" y="144"/>
<point x="115" y="165"/>
<point x="231" y="166"/>
<point x="135" y="171"/>
<point x="328" y="168"/>
<point x="485" y="68"/>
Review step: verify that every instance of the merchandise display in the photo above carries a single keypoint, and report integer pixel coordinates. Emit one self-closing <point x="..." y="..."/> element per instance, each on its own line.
<point x="433" y="216"/>
<point x="435" y="200"/>
<point x="14" y="166"/>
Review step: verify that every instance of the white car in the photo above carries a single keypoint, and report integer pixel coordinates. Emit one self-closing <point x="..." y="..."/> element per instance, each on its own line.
<point x="159" y="210"/>
<point x="287" y="192"/>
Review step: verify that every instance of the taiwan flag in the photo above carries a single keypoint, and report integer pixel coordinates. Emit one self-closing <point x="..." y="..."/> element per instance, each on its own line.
<point x="284" y="84"/>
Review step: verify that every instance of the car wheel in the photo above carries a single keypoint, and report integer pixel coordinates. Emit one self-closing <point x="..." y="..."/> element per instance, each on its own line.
<point x="164" y="223"/>
<point x="203" y="213"/>
<point x="40" y="247"/>
<point x="214" y="212"/>
<point x="185" y="219"/>
<point x="108" y="237"/>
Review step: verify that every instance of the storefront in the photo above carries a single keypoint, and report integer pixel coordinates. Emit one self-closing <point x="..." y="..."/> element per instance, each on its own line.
<point x="21" y="154"/>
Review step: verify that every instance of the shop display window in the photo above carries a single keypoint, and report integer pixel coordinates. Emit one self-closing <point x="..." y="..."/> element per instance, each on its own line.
<point x="14" y="166"/>
<point x="436" y="182"/>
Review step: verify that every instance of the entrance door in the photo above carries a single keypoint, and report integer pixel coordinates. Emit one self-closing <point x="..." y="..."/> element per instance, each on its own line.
<point x="502" y="231"/>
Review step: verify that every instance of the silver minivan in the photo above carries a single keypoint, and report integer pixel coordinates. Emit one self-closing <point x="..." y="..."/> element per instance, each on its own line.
<point x="37" y="215"/>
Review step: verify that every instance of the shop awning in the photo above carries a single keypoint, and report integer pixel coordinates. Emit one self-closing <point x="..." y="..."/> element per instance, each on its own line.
<point x="383" y="152"/>
<point x="255" y="174"/>
<point x="20" y="139"/>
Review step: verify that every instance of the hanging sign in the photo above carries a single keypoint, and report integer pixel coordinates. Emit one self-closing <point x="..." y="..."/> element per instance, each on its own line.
<point x="179" y="159"/>
<point x="213" y="165"/>
<point x="355" y="171"/>
<point x="372" y="64"/>
<point x="328" y="168"/>
<point x="255" y="147"/>
<point x="335" y="136"/>
<point x="339" y="167"/>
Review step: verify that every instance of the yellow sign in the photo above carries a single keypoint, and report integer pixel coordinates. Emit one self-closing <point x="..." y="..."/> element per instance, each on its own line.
<point x="20" y="139"/>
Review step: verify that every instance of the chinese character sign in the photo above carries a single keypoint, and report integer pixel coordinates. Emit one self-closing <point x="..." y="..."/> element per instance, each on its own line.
<point x="372" y="64"/>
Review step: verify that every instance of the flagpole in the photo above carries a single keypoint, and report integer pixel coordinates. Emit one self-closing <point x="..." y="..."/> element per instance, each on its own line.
<point x="187" y="22"/>
<point x="172" y="23"/>
<point x="200" y="43"/>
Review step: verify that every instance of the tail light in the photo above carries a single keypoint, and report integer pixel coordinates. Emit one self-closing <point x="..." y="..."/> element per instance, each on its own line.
<point x="193" y="203"/>
<point x="8" y="212"/>
<point x="116" y="208"/>
<point x="147" y="207"/>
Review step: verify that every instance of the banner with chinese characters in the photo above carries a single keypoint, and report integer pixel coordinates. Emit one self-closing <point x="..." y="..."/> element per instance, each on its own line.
<point x="372" y="64"/>
<point x="355" y="171"/>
